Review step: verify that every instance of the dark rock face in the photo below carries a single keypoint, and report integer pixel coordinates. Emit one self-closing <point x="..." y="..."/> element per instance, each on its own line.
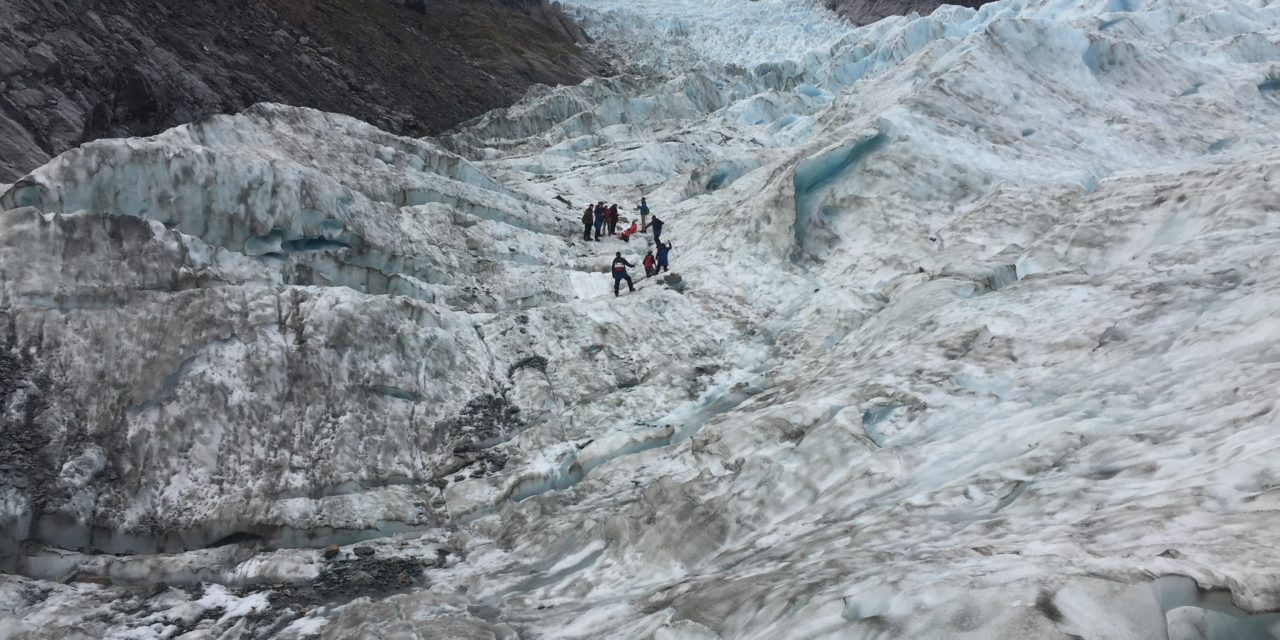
<point x="23" y="385"/>
<point x="346" y="580"/>
<point x="862" y="12"/>
<point x="76" y="70"/>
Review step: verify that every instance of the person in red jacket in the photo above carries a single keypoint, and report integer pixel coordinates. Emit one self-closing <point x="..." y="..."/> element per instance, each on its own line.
<point x="649" y="268"/>
<point x="631" y="230"/>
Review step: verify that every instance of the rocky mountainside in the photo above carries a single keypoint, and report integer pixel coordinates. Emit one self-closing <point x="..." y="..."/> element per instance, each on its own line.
<point x="867" y="11"/>
<point x="77" y="70"/>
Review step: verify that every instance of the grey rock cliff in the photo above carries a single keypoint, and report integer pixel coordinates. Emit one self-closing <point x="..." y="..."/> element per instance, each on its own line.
<point x="77" y="70"/>
<point x="868" y="11"/>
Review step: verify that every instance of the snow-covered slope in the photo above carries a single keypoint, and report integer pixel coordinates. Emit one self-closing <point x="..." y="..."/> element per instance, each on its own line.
<point x="975" y="340"/>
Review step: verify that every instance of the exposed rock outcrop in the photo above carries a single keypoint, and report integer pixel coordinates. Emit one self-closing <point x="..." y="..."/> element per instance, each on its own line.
<point x="868" y="11"/>
<point x="77" y="70"/>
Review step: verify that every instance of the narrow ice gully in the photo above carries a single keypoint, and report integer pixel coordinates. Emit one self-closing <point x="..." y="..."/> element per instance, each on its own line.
<point x="978" y="340"/>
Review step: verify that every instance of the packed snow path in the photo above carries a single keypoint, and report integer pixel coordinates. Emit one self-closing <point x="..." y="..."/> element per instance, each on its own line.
<point x="977" y="340"/>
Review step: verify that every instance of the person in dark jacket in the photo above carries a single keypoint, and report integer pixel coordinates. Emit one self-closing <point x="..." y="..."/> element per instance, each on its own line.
<point x="599" y="220"/>
<point x="663" y="250"/>
<point x="587" y="219"/>
<point x="648" y="262"/>
<point x="620" y="265"/>
<point x="613" y="220"/>
<point x="657" y="229"/>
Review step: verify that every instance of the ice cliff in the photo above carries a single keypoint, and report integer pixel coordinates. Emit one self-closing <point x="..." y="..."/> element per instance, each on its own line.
<point x="974" y="338"/>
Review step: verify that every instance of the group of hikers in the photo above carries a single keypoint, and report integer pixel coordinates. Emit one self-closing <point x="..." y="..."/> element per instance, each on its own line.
<point x="603" y="218"/>
<point x="652" y="266"/>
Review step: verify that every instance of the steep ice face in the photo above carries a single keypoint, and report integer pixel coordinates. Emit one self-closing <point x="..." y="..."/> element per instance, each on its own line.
<point x="668" y="34"/>
<point x="224" y="346"/>
<point x="975" y="339"/>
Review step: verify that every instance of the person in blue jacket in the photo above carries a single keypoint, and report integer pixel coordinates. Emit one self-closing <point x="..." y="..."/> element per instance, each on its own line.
<point x="663" y="250"/>
<point x="599" y="220"/>
<point x="644" y="213"/>
<point x="620" y="265"/>
<point x="657" y="229"/>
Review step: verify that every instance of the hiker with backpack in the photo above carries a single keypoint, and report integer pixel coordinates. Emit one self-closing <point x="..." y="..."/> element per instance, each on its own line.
<point x="663" y="250"/>
<point x="644" y="213"/>
<point x="620" y="265"/>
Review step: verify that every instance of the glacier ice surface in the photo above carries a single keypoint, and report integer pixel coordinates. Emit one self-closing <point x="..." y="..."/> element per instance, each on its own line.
<point x="977" y="339"/>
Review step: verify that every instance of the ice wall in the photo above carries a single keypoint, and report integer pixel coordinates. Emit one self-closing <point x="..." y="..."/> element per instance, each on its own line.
<point x="211" y="339"/>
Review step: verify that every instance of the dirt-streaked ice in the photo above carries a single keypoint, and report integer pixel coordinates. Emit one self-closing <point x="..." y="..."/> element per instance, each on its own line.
<point x="977" y="338"/>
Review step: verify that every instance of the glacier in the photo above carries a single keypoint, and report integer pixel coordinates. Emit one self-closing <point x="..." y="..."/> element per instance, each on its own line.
<point x="974" y="337"/>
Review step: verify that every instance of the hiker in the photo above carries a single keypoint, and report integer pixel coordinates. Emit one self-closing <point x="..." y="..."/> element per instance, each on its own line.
<point x="644" y="213"/>
<point x="657" y="230"/>
<point x="631" y="231"/>
<point x="620" y="265"/>
<point x="613" y="220"/>
<point x="649" y="269"/>
<point x="599" y="219"/>
<point x="587" y="219"/>
<point x="663" y="250"/>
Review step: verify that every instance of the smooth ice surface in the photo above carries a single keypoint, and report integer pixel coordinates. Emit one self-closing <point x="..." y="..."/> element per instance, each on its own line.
<point x="976" y="338"/>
